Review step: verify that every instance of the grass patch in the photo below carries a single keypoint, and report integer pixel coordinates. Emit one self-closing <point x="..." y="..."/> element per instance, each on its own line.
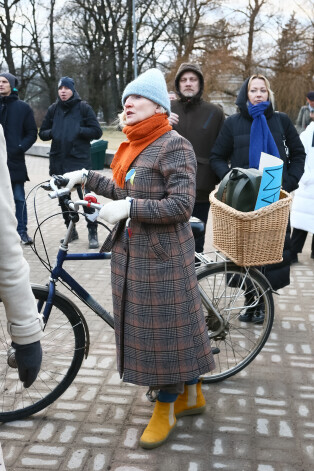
<point x="114" y="137"/>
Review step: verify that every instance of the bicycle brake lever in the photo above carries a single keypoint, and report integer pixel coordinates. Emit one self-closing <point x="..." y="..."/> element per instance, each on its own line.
<point x="57" y="184"/>
<point x="46" y="186"/>
<point x="92" y="216"/>
<point x="59" y="181"/>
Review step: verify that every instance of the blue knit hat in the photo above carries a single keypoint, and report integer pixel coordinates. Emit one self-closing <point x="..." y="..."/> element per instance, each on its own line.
<point x="67" y="82"/>
<point x="152" y="85"/>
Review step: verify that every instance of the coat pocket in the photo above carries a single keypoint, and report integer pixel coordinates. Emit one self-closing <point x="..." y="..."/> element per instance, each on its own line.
<point x="80" y="149"/>
<point x="157" y="248"/>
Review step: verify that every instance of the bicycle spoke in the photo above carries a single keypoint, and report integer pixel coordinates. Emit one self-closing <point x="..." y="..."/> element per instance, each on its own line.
<point x="63" y="346"/>
<point x="232" y="291"/>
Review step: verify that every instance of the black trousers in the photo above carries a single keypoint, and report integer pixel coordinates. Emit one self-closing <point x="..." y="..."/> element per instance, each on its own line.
<point x="298" y="239"/>
<point x="201" y="211"/>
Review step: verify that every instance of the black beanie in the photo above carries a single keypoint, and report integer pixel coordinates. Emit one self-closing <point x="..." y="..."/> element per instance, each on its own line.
<point x="310" y="96"/>
<point x="12" y="80"/>
<point x="67" y="82"/>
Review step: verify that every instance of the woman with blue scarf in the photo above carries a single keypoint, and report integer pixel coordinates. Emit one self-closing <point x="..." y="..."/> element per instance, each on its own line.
<point x="254" y="129"/>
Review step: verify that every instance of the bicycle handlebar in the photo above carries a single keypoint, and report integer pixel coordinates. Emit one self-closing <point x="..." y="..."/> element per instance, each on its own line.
<point x="57" y="184"/>
<point x="59" y="192"/>
<point x="74" y="205"/>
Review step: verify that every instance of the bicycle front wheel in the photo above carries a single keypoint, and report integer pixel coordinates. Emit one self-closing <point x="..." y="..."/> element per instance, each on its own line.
<point x="243" y="299"/>
<point x="63" y="346"/>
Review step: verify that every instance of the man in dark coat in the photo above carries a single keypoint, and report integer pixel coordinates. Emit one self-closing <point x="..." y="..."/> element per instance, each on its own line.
<point x="71" y="124"/>
<point x="199" y="122"/>
<point x="20" y="131"/>
<point x="232" y="148"/>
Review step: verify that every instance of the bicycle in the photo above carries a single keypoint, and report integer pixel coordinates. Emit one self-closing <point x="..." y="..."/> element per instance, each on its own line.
<point x="226" y="289"/>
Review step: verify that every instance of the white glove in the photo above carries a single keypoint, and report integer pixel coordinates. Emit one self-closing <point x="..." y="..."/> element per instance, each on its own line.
<point x="78" y="177"/>
<point x="116" y="210"/>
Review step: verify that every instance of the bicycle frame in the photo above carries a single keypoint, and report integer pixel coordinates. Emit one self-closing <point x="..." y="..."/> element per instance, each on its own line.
<point x="229" y="296"/>
<point x="59" y="273"/>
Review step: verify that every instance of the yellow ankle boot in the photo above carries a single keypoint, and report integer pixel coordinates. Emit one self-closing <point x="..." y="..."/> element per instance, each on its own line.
<point x="161" y="424"/>
<point x="191" y="401"/>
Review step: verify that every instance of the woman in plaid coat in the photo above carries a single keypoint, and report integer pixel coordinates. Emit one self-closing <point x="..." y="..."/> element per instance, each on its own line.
<point x="161" y="336"/>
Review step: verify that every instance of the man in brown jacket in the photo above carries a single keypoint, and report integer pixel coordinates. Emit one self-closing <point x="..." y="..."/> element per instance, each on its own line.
<point x="199" y="122"/>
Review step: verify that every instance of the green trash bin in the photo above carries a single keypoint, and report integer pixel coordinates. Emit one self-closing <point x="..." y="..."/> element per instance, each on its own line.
<point x="98" y="153"/>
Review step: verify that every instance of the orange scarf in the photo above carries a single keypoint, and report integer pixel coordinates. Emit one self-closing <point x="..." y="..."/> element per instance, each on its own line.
<point x="139" y="136"/>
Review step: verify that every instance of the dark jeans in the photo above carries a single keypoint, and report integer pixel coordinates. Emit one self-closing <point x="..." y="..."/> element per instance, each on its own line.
<point x="65" y="210"/>
<point x="200" y="211"/>
<point x="20" y="207"/>
<point x="297" y="241"/>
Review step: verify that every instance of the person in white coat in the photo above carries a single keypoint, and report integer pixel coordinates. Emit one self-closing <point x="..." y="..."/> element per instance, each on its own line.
<point x="25" y="325"/>
<point x="302" y="211"/>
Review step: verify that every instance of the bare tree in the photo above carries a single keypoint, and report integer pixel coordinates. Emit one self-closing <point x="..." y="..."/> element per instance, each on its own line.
<point x="99" y="33"/>
<point x="28" y="43"/>
<point x="104" y="34"/>
<point x="7" y="19"/>
<point x="40" y="52"/>
<point x="251" y="12"/>
<point x="291" y="67"/>
<point x="92" y="40"/>
<point x="247" y="23"/>
<point x="187" y="30"/>
<point x="307" y="7"/>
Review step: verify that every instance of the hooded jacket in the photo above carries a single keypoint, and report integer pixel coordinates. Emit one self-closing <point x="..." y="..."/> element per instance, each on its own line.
<point x="200" y="123"/>
<point x="71" y="131"/>
<point x="20" y="131"/>
<point x="232" y="146"/>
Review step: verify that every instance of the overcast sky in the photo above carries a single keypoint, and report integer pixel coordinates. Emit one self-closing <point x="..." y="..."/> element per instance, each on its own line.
<point x="286" y="7"/>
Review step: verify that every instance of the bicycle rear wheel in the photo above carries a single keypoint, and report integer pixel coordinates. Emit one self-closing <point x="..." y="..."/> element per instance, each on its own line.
<point x="234" y="291"/>
<point x="63" y="346"/>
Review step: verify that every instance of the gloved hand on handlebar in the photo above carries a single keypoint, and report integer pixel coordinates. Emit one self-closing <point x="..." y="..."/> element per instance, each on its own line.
<point x="116" y="210"/>
<point x="78" y="177"/>
<point x="28" y="359"/>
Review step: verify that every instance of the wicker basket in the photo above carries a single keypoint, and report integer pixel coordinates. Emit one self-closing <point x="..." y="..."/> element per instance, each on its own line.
<point x="253" y="238"/>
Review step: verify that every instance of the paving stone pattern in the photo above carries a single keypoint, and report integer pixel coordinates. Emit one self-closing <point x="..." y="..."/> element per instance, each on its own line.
<point x="260" y="420"/>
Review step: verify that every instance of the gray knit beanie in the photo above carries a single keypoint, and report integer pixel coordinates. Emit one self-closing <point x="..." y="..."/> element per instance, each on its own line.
<point x="11" y="79"/>
<point x="152" y="85"/>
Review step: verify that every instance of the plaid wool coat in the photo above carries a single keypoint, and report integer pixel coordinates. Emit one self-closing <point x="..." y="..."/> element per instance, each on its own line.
<point x="160" y="329"/>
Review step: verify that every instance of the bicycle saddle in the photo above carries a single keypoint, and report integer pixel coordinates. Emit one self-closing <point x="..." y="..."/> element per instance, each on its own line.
<point x="198" y="227"/>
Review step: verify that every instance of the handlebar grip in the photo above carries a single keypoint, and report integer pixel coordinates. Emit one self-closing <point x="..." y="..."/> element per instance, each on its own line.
<point x="59" y="193"/>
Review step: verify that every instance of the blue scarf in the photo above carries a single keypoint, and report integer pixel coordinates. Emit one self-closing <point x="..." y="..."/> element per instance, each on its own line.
<point x="261" y="139"/>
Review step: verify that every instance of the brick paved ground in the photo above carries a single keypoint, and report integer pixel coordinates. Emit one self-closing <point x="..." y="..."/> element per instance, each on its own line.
<point x="260" y="420"/>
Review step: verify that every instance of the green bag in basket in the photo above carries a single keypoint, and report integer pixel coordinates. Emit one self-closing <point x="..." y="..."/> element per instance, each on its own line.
<point x="239" y="188"/>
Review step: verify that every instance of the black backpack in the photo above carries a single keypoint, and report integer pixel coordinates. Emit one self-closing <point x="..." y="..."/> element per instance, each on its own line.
<point x="283" y="136"/>
<point x="83" y="109"/>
